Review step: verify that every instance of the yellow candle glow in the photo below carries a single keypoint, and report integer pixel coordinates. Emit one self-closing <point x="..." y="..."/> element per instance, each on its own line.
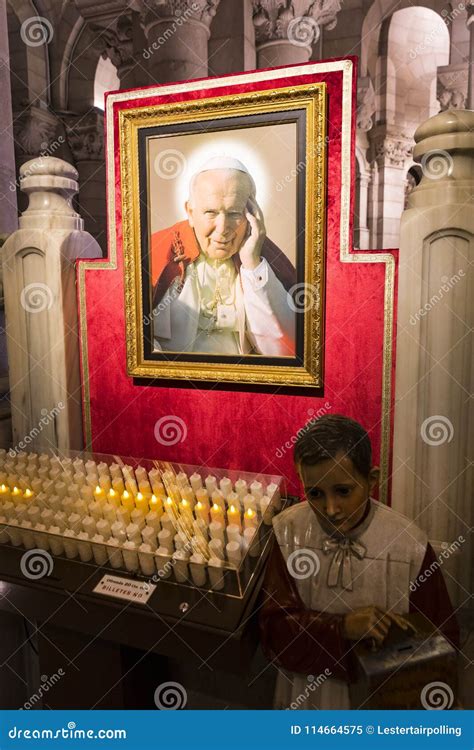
<point x="99" y="493"/>
<point x="233" y="516"/>
<point x="141" y="502"/>
<point x="4" y="493"/>
<point x="155" y="503"/>
<point x="201" y="511"/>
<point x="250" y="518"/>
<point x="28" y="494"/>
<point x="16" y="494"/>
<point x="113" y="498"/>
<point x="217" y="514"/>
<point x="128" y="501"/>
<point x="185" y="508"/>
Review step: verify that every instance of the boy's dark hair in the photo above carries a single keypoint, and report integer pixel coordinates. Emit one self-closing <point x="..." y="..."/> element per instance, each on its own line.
<point x="330" y="435"/>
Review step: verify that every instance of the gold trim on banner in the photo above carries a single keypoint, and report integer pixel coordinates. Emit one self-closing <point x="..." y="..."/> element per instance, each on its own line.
<point x="310" y="98"/>
<point x="347" y="69"/>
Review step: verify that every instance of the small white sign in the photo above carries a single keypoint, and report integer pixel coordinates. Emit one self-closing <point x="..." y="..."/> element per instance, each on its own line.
<point x="125" y="588"/>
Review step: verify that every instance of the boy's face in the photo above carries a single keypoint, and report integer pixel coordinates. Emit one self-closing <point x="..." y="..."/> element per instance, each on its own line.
<point x="337" y="492"/>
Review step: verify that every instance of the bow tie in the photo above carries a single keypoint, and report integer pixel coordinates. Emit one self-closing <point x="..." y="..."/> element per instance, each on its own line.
<point x="341" y="563"/>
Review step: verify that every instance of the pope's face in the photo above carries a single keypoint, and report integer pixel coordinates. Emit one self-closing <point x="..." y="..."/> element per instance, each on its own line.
<point x="216" y="211"/>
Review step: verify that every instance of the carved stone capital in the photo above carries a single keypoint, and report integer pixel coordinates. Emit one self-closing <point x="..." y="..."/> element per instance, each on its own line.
<point x="452" y="86"/>
<point x="115" y="41"/>
<point x="390" y="149"/>
<point x="85" y="136"/>
<point x="202" y="11"/>
<point x="365" y="103"/>
<point x="34" y="129"/>
<point x="298" y="21"/>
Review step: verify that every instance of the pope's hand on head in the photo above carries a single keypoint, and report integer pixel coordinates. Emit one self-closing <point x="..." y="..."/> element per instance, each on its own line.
<point x="251" y="249"/>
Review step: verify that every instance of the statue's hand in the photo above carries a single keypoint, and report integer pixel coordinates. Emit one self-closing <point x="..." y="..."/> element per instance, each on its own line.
<point x="250" y="252"/>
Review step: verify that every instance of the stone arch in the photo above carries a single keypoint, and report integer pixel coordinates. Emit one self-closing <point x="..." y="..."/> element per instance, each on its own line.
<point x="29" y="61"/>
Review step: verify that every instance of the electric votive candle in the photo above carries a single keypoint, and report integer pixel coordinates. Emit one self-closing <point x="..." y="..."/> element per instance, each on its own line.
<point x="146" y="559"/>
<point x="216" y="531"/>
<point x="98" y="550"/>
<point x="233" y="516"/>
<point x="195" y="481"/>
<point x="211" y="484"/>
<point x="250" y="518"/>
<point x="217" y="514"/>
<point x="198" y="569"/>
<point x="141" y="502"/>
<point x="216" y="574"/>
<point x="241" y="488"/>
<point x="251" y="542"/>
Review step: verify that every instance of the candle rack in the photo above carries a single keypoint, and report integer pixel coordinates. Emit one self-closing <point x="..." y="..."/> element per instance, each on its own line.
<point x="185" y="531"/>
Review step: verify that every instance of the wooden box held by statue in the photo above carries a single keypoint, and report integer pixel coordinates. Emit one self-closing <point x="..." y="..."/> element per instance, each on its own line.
<point x="400" y="674"/>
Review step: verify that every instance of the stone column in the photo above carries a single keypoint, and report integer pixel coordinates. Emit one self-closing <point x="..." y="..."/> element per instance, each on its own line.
<point x="389" y="154"/>
<point x="85" y="137"/>
<point x="285" y="30"/>
<point x="470" y="86"/>
<point x="177" y="33"/>
<point x="433" y="437"/>
<point x="41" y="309"/>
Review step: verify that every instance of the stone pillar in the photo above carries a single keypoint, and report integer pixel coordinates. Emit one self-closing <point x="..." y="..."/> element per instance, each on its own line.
<point x="390" y="153"/>
<point x="232" y="43"/>
<point x="41" y="309"/>
<point x="433" y="436"/>
<point x="285" y="30"/>
<point x="177" y="33"/>
<point x="361" y="229"/>
<point x="85" y="137"/>
<point x="470" y="85"/>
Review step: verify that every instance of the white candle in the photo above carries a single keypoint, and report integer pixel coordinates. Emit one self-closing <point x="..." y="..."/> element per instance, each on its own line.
<point x="216" y="548"/>
<point x="256" y="489"/>
<point x="165" y="539"/>
<point x="197" y="566"/>
<point x="273" y="492"/>
<point x="149" y="537"/>
<point x="79" y="480"/>
<point x="152" y="519"/>
<point x="27" y="537"/>
<point x="109" y="512"/>
<point x="138" y="517"/>
<point x="182" y="479"/>
<point x="217" y="498"/>
<point x="47" y="517"/>
<point x="266" y="509"/>
<point x="89" y="526"/>
<point x="130" y="556"/>
<point x="233" y="553"/>
<point x="70" y="544"/>
<point x="114" y="553"/>
<point x="118" y="485"/>
<point x="91" y="467"/>
<point x="123" y="515"/>
<point x="225" y="486"/>
<point x="216" y="574"/>
<point x="200" y="528"/>
<point x="95" y="510"/>
<point x="241" y="487"/>
<point x="211" y="484"/>
<point x="233" y="533"/>
<point x="59" y="519"/>
<point x="98" y="550"/>
<point x="163" y="562"/>
<point x="233" y="517"/>
<point x="188" y="495"/>
<point x="80" y="506"/>
<point x="180" y="566"/>
<point x="133" y="533"/>
<point x="33" y="514"/>
<point x="104" y="528"/>
<point x="55" y="540"/>
<point x="146" y="558"/>
<point x="141" y="474"/>
<point x="48" y="487"/>
<point x="196" y="481"/>
<point x="251" y="542"/>
<point x="74" y="522"/>
<point x="105" y="483"/>
<point x="118" y="532"/>
<point x="78" y="464"/>
<point x="216" y="530"/>
<point x="85" y="549"/>
<point x="167" y="523"/>
<point x="87" y="493"/>
<point x="103" y="469"/>
<point x="41" y="538"/>
<point x="115" y="471"/>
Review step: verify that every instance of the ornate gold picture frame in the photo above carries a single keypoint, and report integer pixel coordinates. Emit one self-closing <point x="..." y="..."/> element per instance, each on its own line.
<point x="211" y="292"/>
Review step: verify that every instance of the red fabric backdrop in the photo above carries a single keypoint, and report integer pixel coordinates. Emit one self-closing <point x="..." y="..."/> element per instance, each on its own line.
<point x="247" y="428"/>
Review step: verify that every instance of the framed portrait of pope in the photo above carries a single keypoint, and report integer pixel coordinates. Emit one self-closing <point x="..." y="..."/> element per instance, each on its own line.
<point x="223" y="236"/>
